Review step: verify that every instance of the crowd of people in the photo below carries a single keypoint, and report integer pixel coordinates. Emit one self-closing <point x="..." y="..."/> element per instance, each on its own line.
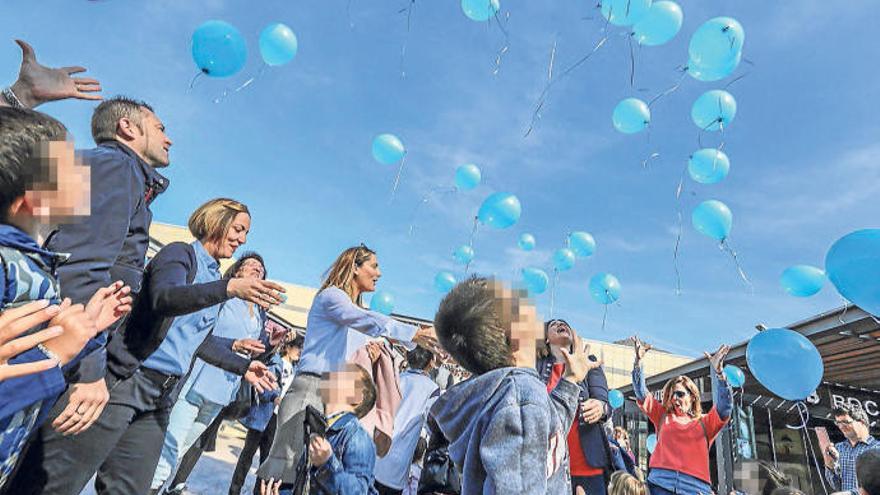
<point x="122" y="370"/>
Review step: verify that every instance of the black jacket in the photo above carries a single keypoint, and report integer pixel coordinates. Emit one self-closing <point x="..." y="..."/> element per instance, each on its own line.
<point x="168" y="292"/>
<point x="111" y="244"/>
<point x="594" y="442"/>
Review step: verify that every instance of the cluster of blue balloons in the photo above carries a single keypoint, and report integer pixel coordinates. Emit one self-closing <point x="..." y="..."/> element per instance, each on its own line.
<point x="713" y="218"/>
<point x="771" y="355"/>
<point x="388" y="149"/>
<point x="219" y="49"/>
<point x="604" y="288"/>
<point x="802" y="280"/>
<point x="382" y="302"/>
<point x="853" y="266"/>
<point x="715" y="49"/>
<point x="500" y="210"/>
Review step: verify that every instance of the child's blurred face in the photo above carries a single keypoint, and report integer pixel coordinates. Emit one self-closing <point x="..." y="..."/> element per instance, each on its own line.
<point x="342" y="387"/>
<point x="66" y="195"/>
<point x="526" y="331"/>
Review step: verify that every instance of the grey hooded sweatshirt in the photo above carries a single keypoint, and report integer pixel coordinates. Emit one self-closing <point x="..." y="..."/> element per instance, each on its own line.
<point x="507" y="434"/>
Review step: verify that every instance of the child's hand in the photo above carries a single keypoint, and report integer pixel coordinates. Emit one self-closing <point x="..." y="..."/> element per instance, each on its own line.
<point x="270" y="487"/>
<point x="319" y="450"/>
<point x="78" y="327"/>
<point x="577" y="363"/>
<point x="592" y="410"/>
<point x="14" y="322"/>
<point x="109" y="304"/>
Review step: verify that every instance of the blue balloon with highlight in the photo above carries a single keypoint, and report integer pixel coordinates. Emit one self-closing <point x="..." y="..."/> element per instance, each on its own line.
<point x="625" y="12"/>
<point x="631" y="115"/>
<point x="535" y="280"/>
<point x="480" y="10"/>
<point x="717" y="44"/>
<point x="712" y="218"/>
<point x="444" y="281"/>
<point x="615" y="398"/>
<point x="463" y="254"/>
<point x="563" y="259"/>
<point x="500" y="210"/>
<point x="853" y="266"/>
<point x="734" y="376"/>
<point x="772" y="354"/>
<point x="582" y="243"/>
<point x="708" y="166"/>
<point x="467" y="177"/>
<point x="218" y="49"/>
<point x="526" y="242"/>
<point x="651" y="443"/>
<point x="278" y="44"/>
<point x="802" y="280"/>
<point x="604" y="288"/>
<point x="388" y="149"/>
<point x="709" y="74"/>
<point x="382" y="302"/>
<point x="661" y="24"/>
<point x="714" y="110"/>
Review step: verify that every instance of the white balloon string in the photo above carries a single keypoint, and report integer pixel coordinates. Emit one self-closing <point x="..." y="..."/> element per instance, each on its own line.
<point x="251" y="80"/>
<point x="553" y="291"/>
<point x="425" y="199"/>
<point x="725" y="246"/>
<point x="650" y="157"/>
<point x="804" y="413"/>
<point x="843" y="313"/>
<point x="536" y="114"/>
<point x="675" y="255"/>
<point x="467" y="266"/>
<point x="632" y="64"/>
<point x="605" y="311"/>
<point x="397" y="179"/>
<point x="500" y="55"/>
<point x="772" y="439"/>
<point x="669" y="90"/>
<point x="408" y="9"/>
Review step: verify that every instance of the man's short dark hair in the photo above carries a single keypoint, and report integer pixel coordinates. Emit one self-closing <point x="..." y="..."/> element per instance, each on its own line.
<point x="107" y="114"/>
<point x="22" y="134"/>
<point x="868" y="471"/>
<point x="855" y="412"/>
<point x="248" y="255"/>
<point x="473" y="324"/>
<point x="419" y="358"/>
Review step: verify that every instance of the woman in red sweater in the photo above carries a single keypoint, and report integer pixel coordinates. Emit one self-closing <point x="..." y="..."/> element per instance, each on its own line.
<point x="680" y="462"/>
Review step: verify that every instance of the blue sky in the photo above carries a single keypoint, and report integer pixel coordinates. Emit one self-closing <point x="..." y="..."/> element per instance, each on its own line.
<point x="295" y="145"/>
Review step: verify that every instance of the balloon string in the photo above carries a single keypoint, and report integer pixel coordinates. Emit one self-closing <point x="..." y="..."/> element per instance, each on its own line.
<point x="650" y="157"/>
<point x="804" y="413"/>
<point x="669" y="90"/>
<point x="553" y="290"/>
<point x="427" y="197"/>
<point x="605" y="311"/>
<point x="543" y="97"/>
<point x="725" y="246"/>
<point x="408" y="9"/>
<point x="843" y="313"/>
<point x="632" y="64"/>
<point x="397" y="179"/>
<point x="251" y="80"/>
<point x="192" y="83"/>
<point x="772" y="439"/>
<point x="500" y="55"/>
<point x="675" y="255"/>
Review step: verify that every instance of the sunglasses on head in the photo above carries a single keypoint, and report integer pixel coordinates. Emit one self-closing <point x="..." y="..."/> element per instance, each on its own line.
<point x="678" y="394"/>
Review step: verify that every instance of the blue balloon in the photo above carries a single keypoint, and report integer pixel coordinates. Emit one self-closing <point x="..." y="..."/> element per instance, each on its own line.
<point x="717" y="43"/>
<point x="480" y="10"/>
<point x="853" y="266"/>
<point x="615" y="398"/>
<point x="708" y="166"/>
<point x="382" y="302"/>
<point x="582" y="243"/>
<point x="526" y="242"/>
<point x="712" y="218"/>
<point x="500" y="210"/>
<point x="463" y="254"/>
<point x="771" y="355"/>
<point x="277" y="44"/>
<point x="218" y="49"/>
<point x="631" y="115"/>
<point x="802" y="280"/>
<point x="467" y="177"/>
<point x="388" y="149"/>
<point x="735" y="376"/>
<point x="563" y="259"/>
<point x="535" y="279"/>
<point x="651" y="443"/>
<point x="625" y="12"/>
<point x="660" y="24"/>
<point x="604" y="288"/>
<point x="709" y="74"/>
<point x="444" y="282"/>
<point x="713" y="110"/>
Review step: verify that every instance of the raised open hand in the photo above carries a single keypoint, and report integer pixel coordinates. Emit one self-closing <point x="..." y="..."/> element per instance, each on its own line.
<point x="717" y="359"/>
<point x="39" y="84"/>
<point x="640" y="348"/>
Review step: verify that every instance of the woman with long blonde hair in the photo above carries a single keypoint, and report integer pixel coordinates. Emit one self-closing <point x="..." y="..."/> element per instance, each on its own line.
<point x="337" y="326"/>
<point x="680" y="462"/>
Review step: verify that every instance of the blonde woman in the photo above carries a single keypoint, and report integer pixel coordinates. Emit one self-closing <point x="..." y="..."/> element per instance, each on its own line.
<point x="151" y="356"/>
<point x="623" y="483"/>
<point x="337" y="326"/>
<point x="680" y="462"/>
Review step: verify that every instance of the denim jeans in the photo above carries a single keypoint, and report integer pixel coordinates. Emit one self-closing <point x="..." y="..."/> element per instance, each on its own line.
<point x="190" y="417"/>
